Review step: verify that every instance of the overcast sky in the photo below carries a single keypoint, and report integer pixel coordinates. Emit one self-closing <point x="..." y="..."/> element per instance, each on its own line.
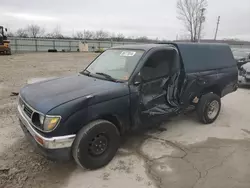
<point x="152" y="18"/>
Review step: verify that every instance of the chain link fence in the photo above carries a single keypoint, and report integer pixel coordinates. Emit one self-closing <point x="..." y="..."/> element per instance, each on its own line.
<point x="43" y="45"/>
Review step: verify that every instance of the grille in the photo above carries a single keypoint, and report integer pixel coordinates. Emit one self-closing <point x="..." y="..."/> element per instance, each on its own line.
<point x="27" y="110"/>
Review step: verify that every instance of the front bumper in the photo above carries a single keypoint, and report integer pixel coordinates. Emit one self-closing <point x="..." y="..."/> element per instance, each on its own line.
<point x="51" y="143"/>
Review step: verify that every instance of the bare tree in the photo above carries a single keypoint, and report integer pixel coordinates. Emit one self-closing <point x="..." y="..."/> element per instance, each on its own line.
<point x="117" y="37"/>
<point x="57" y="33"/>
<point x="131" y="38"/>
<point x="120" y="37"/>
<point x="79" y="35"/>
<point x="191" y="13"/>
<point x="35" y="31"/>
<point x="184" y="37"/>
<point x="102" y="34"/>
<point x="21" y="33"/>
<point x="88" y="34"/>
<point x="142" y="39"/>
<point x="10" y="34"/>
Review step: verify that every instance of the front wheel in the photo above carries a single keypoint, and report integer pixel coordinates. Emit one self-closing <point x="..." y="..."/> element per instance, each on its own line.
<point x="96" y="144"/>
<point x="208" y="108"/>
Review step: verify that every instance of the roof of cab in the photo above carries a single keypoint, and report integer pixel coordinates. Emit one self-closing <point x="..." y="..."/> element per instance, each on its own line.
<point x="145" y="47"/>
<point x="179" y="45"/>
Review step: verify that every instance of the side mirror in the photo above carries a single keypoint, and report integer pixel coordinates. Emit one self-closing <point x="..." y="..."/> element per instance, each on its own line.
<point x="6" y="29"/>
<point x="137" y="80"/>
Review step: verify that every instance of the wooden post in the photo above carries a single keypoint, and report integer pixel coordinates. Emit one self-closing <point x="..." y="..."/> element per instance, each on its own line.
<point x="36" y="45"/>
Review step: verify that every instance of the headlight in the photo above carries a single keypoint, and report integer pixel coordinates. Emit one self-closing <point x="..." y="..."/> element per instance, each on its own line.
<point x="50" y="122"/>
<point x="45" y="123"/>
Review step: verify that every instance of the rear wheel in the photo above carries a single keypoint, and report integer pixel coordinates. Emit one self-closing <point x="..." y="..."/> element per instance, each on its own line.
<point x="96" y="144"/>
<point x="208" y="108"/>
<point x="8" y="52"/>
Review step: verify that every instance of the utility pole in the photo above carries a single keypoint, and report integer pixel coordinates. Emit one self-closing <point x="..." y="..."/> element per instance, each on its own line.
<point x="217" y="27"/>
<point x="202" y="19"/>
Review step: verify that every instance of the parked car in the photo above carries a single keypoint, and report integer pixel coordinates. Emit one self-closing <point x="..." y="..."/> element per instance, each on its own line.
<point x="241" y="57"/>
<point x="244" y="74"/>
<point x="124" y="89"/>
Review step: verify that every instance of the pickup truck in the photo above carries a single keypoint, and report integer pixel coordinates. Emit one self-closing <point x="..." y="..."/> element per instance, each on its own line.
<point x="126" y="88"/>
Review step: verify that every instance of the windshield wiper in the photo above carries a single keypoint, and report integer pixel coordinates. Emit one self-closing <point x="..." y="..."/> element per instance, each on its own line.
<point x="86" y="72"/>
<point x="107" y="76"/>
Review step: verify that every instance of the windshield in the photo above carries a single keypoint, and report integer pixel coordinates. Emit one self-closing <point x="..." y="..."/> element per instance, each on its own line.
<point x="117" y="64"/>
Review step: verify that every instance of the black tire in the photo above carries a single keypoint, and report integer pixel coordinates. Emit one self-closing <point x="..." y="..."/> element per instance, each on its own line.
<point x="203" y="108"/>
<point x="84" y="151"/>
<point x="52" y="50"/>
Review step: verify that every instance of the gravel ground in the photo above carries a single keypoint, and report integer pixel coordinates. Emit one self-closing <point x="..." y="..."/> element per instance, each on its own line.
<point x="181" y="153"/>
<point x="20" y="165"/>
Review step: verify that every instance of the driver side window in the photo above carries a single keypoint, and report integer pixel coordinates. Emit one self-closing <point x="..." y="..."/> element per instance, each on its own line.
<point x="157" y="66"/>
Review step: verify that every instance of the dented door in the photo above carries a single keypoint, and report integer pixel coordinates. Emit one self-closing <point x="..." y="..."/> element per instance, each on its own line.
<point x="157" y="95"/>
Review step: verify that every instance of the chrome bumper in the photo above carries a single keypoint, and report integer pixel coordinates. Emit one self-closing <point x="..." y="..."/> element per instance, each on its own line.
<point x="48" y="143"/>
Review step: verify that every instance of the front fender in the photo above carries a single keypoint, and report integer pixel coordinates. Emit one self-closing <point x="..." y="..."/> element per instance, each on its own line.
<point x="118" y="107"/>
<point x="81" y="114"/>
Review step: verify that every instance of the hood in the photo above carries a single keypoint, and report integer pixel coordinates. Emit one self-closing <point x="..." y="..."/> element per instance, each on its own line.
<point x="46" y="95"/>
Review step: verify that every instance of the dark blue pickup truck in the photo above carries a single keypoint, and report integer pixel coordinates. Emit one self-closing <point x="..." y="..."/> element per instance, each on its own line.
<point x="124" y="89"/>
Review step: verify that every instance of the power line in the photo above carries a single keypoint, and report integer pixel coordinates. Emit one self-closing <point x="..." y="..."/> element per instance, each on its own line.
<point x="217" y="27"/>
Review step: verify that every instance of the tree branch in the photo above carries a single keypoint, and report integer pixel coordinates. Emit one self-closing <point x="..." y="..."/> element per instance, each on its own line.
<point x="190" y="13"/>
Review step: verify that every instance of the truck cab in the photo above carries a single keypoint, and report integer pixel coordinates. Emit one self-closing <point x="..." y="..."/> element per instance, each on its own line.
<point x="126" y="88"/>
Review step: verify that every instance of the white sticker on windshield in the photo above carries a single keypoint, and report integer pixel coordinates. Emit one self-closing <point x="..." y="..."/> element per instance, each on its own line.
<point x="127" y="53"/>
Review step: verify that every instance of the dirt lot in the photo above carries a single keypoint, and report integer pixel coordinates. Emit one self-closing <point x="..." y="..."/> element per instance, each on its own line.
<point x="182" y="153"/>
